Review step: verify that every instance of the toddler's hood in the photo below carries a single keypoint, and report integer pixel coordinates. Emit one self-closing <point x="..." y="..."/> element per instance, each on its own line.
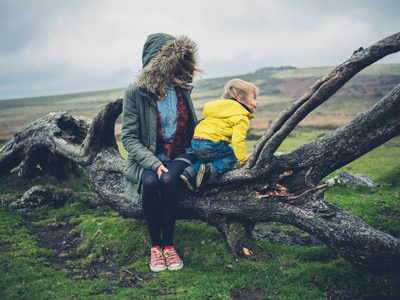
<point x="225" y="108"/>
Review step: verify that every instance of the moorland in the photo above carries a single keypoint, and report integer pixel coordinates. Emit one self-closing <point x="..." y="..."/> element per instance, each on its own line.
<point x="279" y="88"/>
<point x="78" y="251"/>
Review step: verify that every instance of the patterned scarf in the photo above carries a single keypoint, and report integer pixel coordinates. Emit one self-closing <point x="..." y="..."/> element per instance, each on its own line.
<point x="182" y="137"/>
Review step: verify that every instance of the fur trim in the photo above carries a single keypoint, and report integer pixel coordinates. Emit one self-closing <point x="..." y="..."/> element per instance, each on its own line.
<point x="173" y="53"/>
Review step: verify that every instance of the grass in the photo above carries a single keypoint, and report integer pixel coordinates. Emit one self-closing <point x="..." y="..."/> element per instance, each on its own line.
<point x="13" y="185"/>
<point x="28" y="270"/>
<point x="378" y="207"/>
<point x="210" y="271"/>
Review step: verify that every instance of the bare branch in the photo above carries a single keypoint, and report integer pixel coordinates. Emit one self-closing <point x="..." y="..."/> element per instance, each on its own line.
<point x="321" y="91"/>
<point x="102" y="133"/>
<point x="368" y="130"/>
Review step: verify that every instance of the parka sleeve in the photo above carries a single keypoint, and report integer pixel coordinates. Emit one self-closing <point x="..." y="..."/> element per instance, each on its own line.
<point x="240" y="127"/>
<point x="131" y="137"/>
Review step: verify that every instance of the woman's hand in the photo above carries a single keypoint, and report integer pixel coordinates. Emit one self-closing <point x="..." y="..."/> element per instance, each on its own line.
<point x="160" y="170"/>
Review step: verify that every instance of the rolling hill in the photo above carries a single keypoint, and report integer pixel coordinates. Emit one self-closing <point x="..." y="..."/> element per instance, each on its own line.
<point x="279" y="87"/>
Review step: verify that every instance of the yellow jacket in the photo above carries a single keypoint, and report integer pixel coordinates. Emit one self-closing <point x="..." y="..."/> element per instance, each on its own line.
<point x="226" y="120"/>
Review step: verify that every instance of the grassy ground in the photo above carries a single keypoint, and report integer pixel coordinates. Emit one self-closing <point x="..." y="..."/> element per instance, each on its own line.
<point x="76" y="252"/>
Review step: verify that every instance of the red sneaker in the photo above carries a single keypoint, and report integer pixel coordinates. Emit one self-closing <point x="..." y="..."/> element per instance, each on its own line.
<point x="157" y="263"/>
<point x="172" y="259"/>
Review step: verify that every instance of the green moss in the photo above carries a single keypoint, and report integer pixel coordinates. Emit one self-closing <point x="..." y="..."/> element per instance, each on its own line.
<point x="73" y="233"/>
<point x="242" y="193"/>
<point x="11" y="184"/>
<point x="305" y="235"/>
<point x="65" y="118"/>
<point x="75" y="221"/>
<point x="237" y="232"/>
<point x="113" y="214"/>
<point x="108" y="236"/>
<point x="46" y="222"/>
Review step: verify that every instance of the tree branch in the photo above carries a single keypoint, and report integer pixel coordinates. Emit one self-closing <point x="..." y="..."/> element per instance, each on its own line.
<point x="102" y="133"/>
<point x="368" y="130"/>
<point x="321" y="91"/>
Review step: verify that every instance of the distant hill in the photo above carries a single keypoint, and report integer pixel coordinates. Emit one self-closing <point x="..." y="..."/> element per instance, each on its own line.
<point x="279" y="88"/>
<point x="274" y="69"/>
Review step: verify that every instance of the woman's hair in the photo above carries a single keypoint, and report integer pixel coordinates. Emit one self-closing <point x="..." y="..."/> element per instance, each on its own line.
<point x="238" y="87"/>
<point x="174" y="64"/>
<point x="182" y="76"/>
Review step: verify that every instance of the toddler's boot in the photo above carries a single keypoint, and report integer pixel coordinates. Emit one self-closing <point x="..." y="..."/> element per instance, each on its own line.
<point x="188" y="176"/>
<point x="206" y="172"/>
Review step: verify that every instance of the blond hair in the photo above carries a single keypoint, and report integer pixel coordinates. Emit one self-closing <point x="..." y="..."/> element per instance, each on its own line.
<point x="238" y="87"/>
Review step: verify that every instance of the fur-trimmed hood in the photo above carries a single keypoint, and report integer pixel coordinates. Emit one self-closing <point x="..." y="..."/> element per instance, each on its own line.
<point x="162" y="54"/>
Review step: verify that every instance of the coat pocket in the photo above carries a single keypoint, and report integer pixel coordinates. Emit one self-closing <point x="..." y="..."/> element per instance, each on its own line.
<point x="131" y="192"/>
<point x="132" y="171"/>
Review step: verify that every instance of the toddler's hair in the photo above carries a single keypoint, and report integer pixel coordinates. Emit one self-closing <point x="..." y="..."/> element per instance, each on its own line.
<point x="238" y="87"/>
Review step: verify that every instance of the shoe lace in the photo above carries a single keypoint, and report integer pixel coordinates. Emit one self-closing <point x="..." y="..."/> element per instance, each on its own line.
<point x="172" y="256"/>
<point x="157" y="256"/>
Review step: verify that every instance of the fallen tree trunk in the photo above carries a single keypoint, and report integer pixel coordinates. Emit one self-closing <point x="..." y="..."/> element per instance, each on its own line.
<point x="340" y="230"/>
<point x="267" y="188"/>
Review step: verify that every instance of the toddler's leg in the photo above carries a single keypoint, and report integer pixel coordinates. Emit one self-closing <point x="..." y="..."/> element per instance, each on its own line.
<point x="224" y="159"/>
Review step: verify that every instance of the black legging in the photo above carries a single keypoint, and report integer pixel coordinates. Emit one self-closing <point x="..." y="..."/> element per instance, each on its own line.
<point x="160" y="202"/>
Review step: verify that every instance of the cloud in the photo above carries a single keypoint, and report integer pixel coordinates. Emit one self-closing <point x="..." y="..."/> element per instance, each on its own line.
<point x="25" y="23"/>
<point x="53" y="47"/>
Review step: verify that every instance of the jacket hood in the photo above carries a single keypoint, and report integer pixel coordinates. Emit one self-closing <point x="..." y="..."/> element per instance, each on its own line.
<point x="162" y="53"/>
<point x="225" y="108"/>
<point x="153" y="45"/>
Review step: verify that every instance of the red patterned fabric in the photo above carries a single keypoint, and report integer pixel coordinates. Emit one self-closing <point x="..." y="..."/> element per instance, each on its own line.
<point x="182" y="137"/>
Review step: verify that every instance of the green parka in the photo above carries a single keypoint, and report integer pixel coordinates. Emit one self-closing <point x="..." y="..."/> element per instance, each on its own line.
<point x="139" y="117"/>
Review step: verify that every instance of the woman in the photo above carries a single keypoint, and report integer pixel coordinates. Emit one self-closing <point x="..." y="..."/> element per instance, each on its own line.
<point x="157" y="127"/>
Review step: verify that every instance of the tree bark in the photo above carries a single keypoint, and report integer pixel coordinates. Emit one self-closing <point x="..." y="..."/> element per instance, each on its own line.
<point x="267" y="188"/>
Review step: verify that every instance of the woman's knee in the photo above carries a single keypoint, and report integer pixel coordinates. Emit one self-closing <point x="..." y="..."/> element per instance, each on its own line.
<point x="151" y="181"/>
<point x="168" y="180"/>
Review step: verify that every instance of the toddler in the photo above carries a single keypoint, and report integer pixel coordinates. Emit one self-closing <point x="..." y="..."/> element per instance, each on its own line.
<point x="226" y="121"/>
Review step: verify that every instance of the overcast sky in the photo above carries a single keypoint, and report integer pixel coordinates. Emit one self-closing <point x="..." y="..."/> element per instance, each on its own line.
<point x="63" y="46"/>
